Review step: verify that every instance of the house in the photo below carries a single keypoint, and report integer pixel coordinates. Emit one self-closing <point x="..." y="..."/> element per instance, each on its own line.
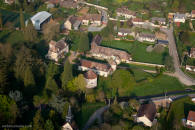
<point x="160" y="36"/>
<point x="179" y="18"/>
<point x="124" y="32"/>
<point x="67" y="126"/>
<point x="72" y="22"/>
<point x="101" y="69"/>
<point x="57" y="50"/>
<point x="191" y="119"/>
<point x="70" y="4"/>
<point x="190" y="68"/>
<point x="125" y="12"/>
<point x="192" y="53"/>
<point x="160" y="21"/>
<point x="108" y="53"/>
<point x="52" y="3"/>
<point x="92" y="19"/>
<point x="146" y="37"/>
<point x="163" y="42"/>
<point x="193" y="14"/>
<point x="9" y="1"/>
<point x="146" y="114"/>
<point x="137" y="21"/>
<point x="91" y="79"/>
<point x="39" y="19"/>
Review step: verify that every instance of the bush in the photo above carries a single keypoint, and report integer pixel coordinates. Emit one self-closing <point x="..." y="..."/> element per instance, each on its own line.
<point x="90" y="98"/>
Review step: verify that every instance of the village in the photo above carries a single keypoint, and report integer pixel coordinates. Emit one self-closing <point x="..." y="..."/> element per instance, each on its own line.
<point x="110" y="53"/>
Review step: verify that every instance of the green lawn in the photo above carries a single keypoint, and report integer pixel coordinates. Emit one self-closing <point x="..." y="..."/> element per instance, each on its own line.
<point x="142" y="84"/>
<point x="179" y="109"/>
<point x="138" y="51"/>
<point x="86" y="111"/>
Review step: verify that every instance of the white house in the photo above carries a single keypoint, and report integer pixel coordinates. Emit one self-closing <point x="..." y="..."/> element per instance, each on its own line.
<point x="95" y="19"/>
<point x="39" y="19"/>
<point x="190" y="68"/>
<point x="72" y="23"/>
<point x="179" y="18"/>
<point x="161" y="21"/>
<point x="193" y="14"/>
<point x="125" y="12"/>
<point x="191" y="119"/>
<point x="57" y="50"/>
<point x="146" y="37"/>
<point x="101" y="69"/>
<point x="146" y="114"/>
<point x="91" y="79"/>
<point x="9" y="1"/>
<point x="125" y="32"/>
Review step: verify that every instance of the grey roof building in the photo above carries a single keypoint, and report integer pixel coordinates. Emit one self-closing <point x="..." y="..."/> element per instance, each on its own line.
<point x="39" y="18"/>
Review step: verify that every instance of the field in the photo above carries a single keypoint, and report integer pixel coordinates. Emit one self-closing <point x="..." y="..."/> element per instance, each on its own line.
<point x="138" y="51"/>
<point x="86" y="111"/>
<point x="179" y="110"/>
<point x="142" y="83"/>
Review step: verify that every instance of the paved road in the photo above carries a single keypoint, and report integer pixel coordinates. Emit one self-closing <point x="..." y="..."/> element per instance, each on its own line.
<point x="173" y="52"/>
<point x="96" y="115"/>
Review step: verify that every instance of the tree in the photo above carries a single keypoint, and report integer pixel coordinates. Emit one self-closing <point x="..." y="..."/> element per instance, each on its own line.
<point x="29" y="77"/>
<point x="67" y="74"/>
<point x="8" y="110"/>
<point x="169" y="65"/>
<point x="22" y="25"/>
<point x="65" y="110"/>
<point x="50" y="30"/>
<point x="38" y="121"/>
<point x="52" y="70"/>
<point x="30" y="34"/>
<point x="83" y="44"/>
<point x="51" y="86"/>
<point x="134" y="104"/>
<point x="80" y="82"/>
<point x="1" y="22"/>
<point x="3" y="80"/>
<point x="49" y="125"/>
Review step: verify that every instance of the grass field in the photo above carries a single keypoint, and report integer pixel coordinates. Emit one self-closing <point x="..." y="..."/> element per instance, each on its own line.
<point x="138" y="51"/>
<point x="179" y="110"/>
<point x="146" y="84"/>
<point x="86" y="111"/>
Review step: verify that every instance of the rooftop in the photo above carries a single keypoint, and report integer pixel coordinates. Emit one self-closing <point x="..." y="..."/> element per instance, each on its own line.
<point x="40" y="17"/>
<point x="90" y="75"/>
<point x="191" y="116"/>
<point x="58" y="46"/>
<point x="125" y="10"/>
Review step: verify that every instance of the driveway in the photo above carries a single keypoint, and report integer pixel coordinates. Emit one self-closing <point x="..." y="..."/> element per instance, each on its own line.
<point x="173" y="52"/>
<point x="96" y="115"/>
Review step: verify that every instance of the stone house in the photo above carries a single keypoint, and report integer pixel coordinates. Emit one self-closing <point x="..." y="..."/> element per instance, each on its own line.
<point x="160" y="21"/>
<point x="125" y="32"/>
<point x="191" y="119"/>
<point x="179" y="18"/>
<point x="92" y="19"/>
<point x="57" y="50"/>
<point x="91" y="79"/>
<point x="72" y="22"/>
<point x="193" y="14"/>
<point x="192" y="53"/>
<point x="146" y="37"/>
<point x="108" y="53"/>
<point x="125" y="12"/>
<point x="146" y="114"/>
<point x="137" y="21"/>
<point x="101" y="69"/>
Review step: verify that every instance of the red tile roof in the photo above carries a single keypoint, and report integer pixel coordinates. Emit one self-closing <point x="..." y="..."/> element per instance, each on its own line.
<point x="90" y="75"/>
<point x="193" y="11"/>
<point x="137" y="20"/>
<point x="191" y="116"/>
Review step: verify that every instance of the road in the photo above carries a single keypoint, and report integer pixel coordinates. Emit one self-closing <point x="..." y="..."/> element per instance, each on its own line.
<point x="173" y="52"/>
<point x="96" y="115"/>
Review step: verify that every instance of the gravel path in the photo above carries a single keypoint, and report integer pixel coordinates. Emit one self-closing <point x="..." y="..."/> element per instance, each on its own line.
<point x="96" y="115"/>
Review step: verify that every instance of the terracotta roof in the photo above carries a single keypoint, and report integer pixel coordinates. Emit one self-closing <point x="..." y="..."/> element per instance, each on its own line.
<point x="148" y="110"/>
<point x="92" y="17"/>
<point x="191" y="116"/>
<point x="95" y="65"/>
<point x="95" y="48"/>
<point x="193" y="11"/>
<point x="137" y="20"/>
<point x="90" y="75"/>
<point x="125" y="10"/>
